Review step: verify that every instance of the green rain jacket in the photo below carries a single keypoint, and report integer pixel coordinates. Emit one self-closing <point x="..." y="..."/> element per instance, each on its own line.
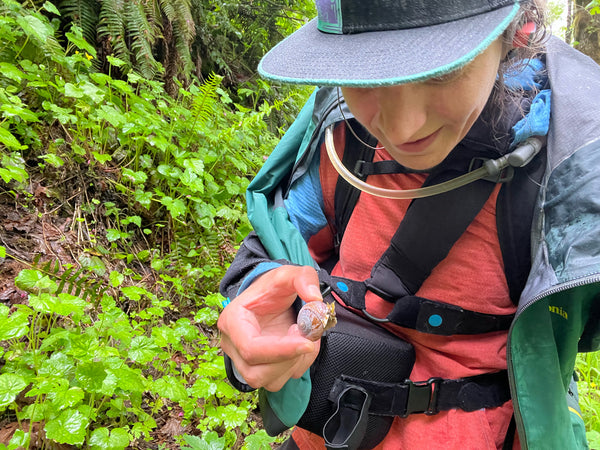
<point x="559" y="309"/>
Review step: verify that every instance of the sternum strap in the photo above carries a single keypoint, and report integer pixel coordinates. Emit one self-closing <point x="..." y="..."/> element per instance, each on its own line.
<point x="432" y="396"/>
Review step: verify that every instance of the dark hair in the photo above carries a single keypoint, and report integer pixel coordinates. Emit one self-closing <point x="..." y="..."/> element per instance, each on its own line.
<point x="517" y="58"/>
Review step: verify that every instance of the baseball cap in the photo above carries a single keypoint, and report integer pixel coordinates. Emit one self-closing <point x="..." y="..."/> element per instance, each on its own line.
<point x="368" y="43"/>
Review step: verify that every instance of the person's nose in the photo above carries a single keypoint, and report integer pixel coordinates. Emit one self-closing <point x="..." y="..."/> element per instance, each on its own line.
<point x="402" y="113"/>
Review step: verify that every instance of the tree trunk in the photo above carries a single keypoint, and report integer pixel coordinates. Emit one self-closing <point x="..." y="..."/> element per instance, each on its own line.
<point x="586" y="31"/>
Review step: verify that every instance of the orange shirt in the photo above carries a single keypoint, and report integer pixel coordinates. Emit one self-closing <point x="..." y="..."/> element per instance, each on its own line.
<point x="472" y="276"/>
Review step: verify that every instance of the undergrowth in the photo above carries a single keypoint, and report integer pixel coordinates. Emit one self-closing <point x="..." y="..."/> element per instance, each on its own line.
<point x="149" y="190"/>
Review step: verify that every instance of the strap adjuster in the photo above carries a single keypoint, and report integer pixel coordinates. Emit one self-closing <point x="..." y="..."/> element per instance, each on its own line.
<point x="422" y="396"/>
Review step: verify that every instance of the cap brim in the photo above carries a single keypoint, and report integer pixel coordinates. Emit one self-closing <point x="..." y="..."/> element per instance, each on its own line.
<point x="382" y="58"/>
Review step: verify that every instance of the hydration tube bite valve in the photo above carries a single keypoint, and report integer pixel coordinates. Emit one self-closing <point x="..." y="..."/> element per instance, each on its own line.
<point x="491" y="168"/>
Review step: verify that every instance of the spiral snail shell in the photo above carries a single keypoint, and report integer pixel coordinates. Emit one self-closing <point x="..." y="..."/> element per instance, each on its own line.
<point x="314" y="318"/>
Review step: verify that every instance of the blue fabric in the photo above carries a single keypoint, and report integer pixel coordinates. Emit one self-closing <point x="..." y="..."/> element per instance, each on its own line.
<point x="537" y="121"/>
<point x="306" y="213"/>
<point x="532" y="76"/>
<point x="256" y="272"/>
<point x="528" y="76"/>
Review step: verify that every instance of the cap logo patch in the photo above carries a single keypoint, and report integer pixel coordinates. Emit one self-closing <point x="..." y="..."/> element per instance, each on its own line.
<point x="330" y="16"/>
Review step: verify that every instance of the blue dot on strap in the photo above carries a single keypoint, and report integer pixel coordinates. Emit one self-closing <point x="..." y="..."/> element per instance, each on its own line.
<point x="342" y="286"/>
<point x="435" y="320"/>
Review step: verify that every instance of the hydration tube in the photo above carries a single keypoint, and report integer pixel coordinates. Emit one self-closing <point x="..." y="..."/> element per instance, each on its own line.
<point x="519" y="157"/>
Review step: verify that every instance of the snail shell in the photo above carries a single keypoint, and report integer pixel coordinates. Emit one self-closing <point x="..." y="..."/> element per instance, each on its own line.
<point x="314" y="318"/>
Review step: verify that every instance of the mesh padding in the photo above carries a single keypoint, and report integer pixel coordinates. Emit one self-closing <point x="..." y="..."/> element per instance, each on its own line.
<point x="361" y="349"/>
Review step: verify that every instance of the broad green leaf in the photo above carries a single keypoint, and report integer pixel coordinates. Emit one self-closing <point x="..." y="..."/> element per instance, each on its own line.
<point x="171" y="388"/>
<point x="14" y="326"/>
<point x="128" y="380"/>
<point x="114" y="235"/>
<point x="67" y="399"/>
<point x="11" y="385"/>
<point x="2" y="252"/>
<point x="19" y="111"/>
<point x="132" y="219"/>
<point x="68" y="428"/>
<point x="207" y="316"/>
<point x="51" y="8"/>
<point x="92" y="263"/>
<point x="175" y="206"/>
<point x="116" y="278"/>
<point x="53" y="160"/>
<point x="91" y="375"/>
<point x="138" y="177"/>
<point x="203" y="388"/>
<point x="92" y="91"/>
<point x="258" y="441"/>
<point x="73" y="91"/>
<point x="83" y="346"/>
<point x="31" y="280"/>
<point x="184" y="328"/>
<point x="58" y="364"/>
<point x="115" y="61"/>
<point x="233" y="415"/>
<point x="36" y="29"/>
<point x="11" y="71"/>
<point x="20" y="439"/>
<point x="103" y="439"/>
<point x="70" y="304"/>
<point x="101" y="157"/>
<point x="44" y="302"/>
<point x="76" y="38"/>
<point x="195" y="165"/>
<point x="134" y="292"/>
<point x="142" y="349"/>
<point x="13" y="173"/>
<point x="64" y="116"/>
<point x="208" y="441"/>
<point x="143" y="198"/>
<point x="8" y="139"/>
<point x="111" y="115"/>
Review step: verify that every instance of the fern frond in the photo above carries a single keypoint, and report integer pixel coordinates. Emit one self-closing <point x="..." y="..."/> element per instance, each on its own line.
<point x="75" y="282"/>
<point x="85" y="13"/>
<point x="112" y="27"/>
<point x="203" y="105"/>
<point x="142" y="35"/>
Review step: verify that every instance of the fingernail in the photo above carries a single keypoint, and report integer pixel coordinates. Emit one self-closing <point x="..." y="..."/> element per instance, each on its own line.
<point x="314" y="291"/>
<point x="305" y="348"/>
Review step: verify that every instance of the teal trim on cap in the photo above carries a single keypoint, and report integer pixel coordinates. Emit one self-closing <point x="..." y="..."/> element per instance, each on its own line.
<point x="442" y="70"/>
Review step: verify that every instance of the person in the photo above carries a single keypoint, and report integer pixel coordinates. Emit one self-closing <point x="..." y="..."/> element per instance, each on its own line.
<point x="492" y="281"/>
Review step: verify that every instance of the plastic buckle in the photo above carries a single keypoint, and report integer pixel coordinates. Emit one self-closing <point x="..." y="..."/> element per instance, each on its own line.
<point x="503" y="176"/>
<point x="422" y="397"/>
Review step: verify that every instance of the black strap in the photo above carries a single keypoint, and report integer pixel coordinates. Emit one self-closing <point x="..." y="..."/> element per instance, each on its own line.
<point x="428" y="231"/>
<point x="418" y="313"/>
<point x="488" y="390"/>
<point x="346" y="195"/>
<point x="346" y="427"/>
<point x="510" y="434"/>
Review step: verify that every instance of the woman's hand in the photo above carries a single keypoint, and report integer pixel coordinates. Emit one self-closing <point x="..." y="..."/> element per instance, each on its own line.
<point x="259" y="331"/>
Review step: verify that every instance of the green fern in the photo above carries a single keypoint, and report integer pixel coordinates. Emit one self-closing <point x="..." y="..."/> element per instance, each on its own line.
<point x="142" y="31"/>
<point x="203" y="104"/>
<point x="71" y="281"/>
<point x="84" y="13"/>
<point x="112" y="28"/>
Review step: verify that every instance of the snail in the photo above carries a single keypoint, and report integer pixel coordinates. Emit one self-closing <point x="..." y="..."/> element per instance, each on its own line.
<point x="314" y="318"/>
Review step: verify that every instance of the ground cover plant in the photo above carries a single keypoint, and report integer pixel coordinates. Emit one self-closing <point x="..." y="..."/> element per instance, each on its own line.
<point x="120" y="208"/>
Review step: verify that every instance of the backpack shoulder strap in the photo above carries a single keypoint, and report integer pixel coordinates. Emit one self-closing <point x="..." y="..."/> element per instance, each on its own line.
<point x="514" y="217"/>
<point x="346" y="196"/>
